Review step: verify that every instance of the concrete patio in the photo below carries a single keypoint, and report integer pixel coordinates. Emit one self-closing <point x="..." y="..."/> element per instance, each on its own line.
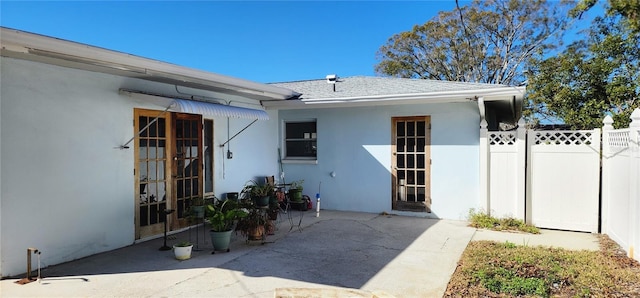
<point x="339" y="254"/>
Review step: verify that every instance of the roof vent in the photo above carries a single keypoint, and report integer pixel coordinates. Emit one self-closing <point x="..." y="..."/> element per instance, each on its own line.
<point x="332" y="79"/>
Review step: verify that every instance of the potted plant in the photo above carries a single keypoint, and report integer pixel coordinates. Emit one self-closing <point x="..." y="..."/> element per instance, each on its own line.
<point x="295" y="190"/>
<point x="222" y="215"/>
<point x="258" y="193"/>
<point x="182" y="250"/>
<point x="254" y="224"/>
<point x="261" y="194"/>
<point x="197" y="207"/>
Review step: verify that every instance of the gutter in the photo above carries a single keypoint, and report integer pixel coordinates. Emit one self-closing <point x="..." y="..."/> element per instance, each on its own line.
<point x="508" y="95"/>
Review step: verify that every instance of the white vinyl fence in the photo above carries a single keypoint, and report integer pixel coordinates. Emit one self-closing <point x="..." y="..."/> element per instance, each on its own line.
<point x="553" y="179"/>
<point x="563" y="179"/>
<point x="621" y="184"/>
<point x="507" y="173"/>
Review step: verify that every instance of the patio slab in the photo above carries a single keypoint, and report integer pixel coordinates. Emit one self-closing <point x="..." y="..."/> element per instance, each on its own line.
<point x="339" y="254"/>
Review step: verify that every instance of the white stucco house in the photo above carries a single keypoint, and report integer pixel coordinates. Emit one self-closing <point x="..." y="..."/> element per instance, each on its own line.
<point x="95" y="142"/>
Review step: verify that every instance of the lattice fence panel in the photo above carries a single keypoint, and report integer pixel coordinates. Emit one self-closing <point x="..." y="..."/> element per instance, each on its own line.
<point x="619" y="138"/>
<point x="502" y="138"/>
<point x="577" y="137"/>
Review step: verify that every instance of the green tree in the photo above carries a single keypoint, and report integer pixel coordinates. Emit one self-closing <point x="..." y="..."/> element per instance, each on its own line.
<point x="487" y="41"/>
<point x="628" y="9"/>
<point x="590" y="79"/>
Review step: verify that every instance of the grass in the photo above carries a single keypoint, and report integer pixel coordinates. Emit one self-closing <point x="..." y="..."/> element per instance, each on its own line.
<point x="482" y="220"/>
<point x="491" y="269"/>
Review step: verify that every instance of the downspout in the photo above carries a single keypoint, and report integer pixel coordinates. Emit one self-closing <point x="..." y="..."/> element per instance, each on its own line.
<point x="484" y="197"/>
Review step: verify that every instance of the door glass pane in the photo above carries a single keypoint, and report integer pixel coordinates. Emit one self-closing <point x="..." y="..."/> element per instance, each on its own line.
<point x="400" y="160"/>
<point x="421" y="194"/>
<point x="152" y="149"/>
<point x="144" y="216"/>
<point x="411" y="194"/>
<point x="420" y="144"/>
<point x="194" y="130"/>
<point x="411" y="161"/>
<point x="142" y="148"/>
<point x="195" y="169"/>
<point x="420" y="129"/>
<point x="411" y="177"/>
<point x="421" y="180"/>
<point x="411" y="128"/>
<point x="411" y="144"/>
<point x="143" y="171"/>
<point x="420" y="161"/>
<point x="400" y="145"/>
<point x="161" y="128"/>
<point x="400" y="129"/>
<point x="179" y="129"/>
<point x="143" y="121"/>
<point x="153" y="129"/>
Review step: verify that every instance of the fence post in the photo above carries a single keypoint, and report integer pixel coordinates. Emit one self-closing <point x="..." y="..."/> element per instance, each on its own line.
<point x="634" y="185"/>
<point x="484" y="167"/>
<point x="606" y="172"/>
<point x="521" y="168"/>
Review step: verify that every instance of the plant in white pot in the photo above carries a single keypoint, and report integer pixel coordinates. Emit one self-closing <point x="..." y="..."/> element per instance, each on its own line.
<point x="222" y="216"/>
<point x="182" y="250"/>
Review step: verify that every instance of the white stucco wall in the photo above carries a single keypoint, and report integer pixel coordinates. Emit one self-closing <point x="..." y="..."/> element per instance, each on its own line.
<point x="355" y="143"/>
<point x="66" y="188"/>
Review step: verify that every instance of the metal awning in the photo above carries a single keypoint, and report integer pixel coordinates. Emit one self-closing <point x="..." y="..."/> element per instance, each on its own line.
<point x="183" y="105"/>
<point x="214" y="109"/>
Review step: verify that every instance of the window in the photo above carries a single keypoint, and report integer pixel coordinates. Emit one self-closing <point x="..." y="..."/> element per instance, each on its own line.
<point x="208" y="156"/>
<point x="300" y="140"/>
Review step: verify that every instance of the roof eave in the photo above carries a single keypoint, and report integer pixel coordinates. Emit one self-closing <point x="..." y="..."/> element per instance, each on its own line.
<point x="499" y="94"/>
<point x="40" y="48"/>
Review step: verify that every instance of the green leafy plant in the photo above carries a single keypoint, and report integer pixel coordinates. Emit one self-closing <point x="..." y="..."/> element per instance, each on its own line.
<point x="183" y="244"/>
<point x="222" y="215"/>
<point x="253" y="220"/>
<point x="298" y="184"/>
<point x="261" y="190"/>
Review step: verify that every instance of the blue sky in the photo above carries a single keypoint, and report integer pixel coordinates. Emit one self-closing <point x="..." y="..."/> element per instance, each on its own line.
<point x="261" y="41"/>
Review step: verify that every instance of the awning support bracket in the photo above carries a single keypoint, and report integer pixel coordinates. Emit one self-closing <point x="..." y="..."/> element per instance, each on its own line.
<point x="229" y="140"/>
<point x="145" y="128"/>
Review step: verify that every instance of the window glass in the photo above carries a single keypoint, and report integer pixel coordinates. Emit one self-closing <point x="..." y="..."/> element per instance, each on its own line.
<point x="301" y="140"/>
<point x="208" y="156"/>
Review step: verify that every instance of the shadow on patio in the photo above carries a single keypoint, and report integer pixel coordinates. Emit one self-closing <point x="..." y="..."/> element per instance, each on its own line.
<point x="404" y="256"/>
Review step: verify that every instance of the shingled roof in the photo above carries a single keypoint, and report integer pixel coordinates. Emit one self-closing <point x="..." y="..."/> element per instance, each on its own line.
<point x="363" y="86"/>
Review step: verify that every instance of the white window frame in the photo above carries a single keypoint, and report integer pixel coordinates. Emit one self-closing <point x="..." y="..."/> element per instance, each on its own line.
<point x="312" y="137"/>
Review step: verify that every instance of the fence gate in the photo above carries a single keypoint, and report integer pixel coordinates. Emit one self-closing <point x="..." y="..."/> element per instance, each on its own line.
<point x="563" y="179"/>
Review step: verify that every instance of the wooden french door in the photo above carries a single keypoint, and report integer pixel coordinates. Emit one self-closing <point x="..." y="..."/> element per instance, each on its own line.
<point x="168" y="170"/>
<point x="411" y="164"/>
<point x="151" y="171"/>
<point x="187" y="164"/>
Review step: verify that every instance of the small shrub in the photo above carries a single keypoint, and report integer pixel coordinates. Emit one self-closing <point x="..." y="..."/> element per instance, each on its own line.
<point x="482" y="220"/>
<point x="508" y="244"/>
